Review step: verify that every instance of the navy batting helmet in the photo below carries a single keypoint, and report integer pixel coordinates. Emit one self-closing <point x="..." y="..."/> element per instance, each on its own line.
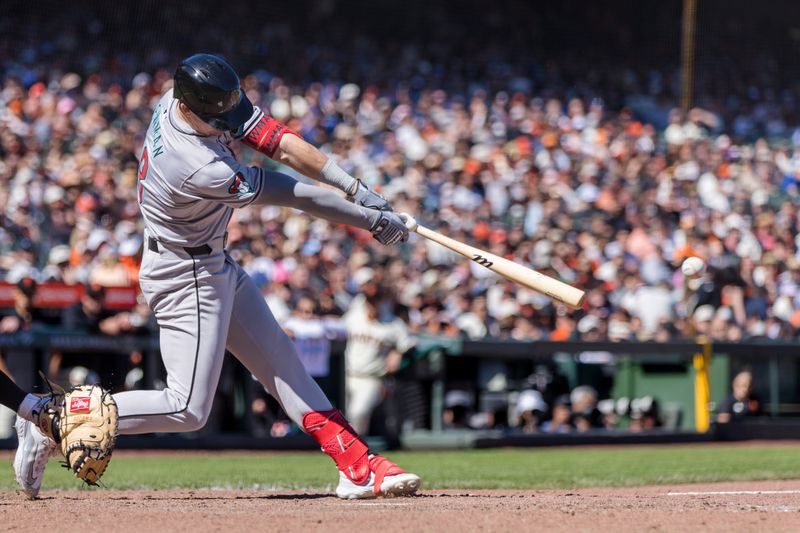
<point x="210" y="87"/>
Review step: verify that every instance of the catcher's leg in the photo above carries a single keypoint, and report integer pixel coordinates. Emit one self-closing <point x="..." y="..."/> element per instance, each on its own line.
<point x="261" y="345"/>
<point x="36" y="408"/>
<point x="193" y="319"/>
<point x="10" y="395"/>
<point x="30" y="460"/>
<point x="36" y="430"/>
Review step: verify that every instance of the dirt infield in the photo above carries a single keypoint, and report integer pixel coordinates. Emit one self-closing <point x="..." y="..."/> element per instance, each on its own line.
<point x="748" y="506"/>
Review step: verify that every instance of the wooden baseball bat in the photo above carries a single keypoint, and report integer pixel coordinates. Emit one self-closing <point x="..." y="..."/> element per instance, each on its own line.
<point x="527" y="277"/>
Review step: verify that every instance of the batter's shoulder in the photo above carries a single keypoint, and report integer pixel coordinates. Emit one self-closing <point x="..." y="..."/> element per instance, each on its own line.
<point x="181" y="151"/>
<point x="194" y="153"/>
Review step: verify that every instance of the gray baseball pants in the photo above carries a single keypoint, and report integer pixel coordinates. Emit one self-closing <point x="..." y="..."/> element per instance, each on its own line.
<point x="205" y="303"/>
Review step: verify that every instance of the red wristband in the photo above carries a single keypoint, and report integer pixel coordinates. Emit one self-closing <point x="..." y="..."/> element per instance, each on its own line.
<point x="266" y="135"/>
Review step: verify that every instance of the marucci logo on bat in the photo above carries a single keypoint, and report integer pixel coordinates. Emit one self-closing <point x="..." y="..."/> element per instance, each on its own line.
<point x="482" y="260"/>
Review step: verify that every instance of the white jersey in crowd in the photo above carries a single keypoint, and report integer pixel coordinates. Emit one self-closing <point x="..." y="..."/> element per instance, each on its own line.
<point x="370" y="341"/>
<point x="312" y="339"/>
<point x="201" y="168"/>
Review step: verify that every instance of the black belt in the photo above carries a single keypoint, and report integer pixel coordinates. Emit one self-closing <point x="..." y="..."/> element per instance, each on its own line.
<point x="203" y="249"/>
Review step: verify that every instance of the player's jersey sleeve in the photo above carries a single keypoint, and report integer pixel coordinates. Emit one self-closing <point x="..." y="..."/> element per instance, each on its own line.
<point x="402" y="340"/>
<point x="355" y="313"/>
<point x="227" y="182"/>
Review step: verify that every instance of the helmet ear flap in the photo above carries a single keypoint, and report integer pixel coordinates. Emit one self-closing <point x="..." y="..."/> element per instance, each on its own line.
<point x="177" y="89"/>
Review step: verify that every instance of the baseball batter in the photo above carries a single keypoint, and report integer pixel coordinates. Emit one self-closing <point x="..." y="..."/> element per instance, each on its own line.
<point x="205" y="303"/>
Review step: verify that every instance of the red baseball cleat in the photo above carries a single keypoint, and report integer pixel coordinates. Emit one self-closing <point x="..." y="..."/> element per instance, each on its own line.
<point x="361" y="474"/>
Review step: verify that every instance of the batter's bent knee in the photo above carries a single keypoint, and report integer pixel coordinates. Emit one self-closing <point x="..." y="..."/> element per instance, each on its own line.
<point x="191" y="415"/>
<point x="194" y="420"/>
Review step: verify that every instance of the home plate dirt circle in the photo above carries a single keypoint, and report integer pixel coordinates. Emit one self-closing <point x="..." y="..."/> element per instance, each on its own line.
<point x="724" y="507"/>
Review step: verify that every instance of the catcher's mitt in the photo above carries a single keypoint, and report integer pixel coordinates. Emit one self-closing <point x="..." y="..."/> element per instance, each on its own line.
<point x="88" y="429"/>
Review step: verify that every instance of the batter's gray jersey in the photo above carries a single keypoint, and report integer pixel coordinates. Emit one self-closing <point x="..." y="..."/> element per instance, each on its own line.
<point x="177" y="168"/>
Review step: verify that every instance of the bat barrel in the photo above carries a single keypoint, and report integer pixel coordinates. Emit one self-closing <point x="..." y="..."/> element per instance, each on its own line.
<point x="527" y="277"/>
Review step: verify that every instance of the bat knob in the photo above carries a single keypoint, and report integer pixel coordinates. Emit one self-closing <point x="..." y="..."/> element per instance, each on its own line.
<point x="411" y="224"/>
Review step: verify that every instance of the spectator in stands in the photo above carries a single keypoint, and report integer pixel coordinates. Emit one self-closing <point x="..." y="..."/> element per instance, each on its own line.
<point x="21" y="316"/>
<point x="24" y="315"/>
<point x="476" y="323"/>
<point x="80" y="375"/>
<point x="134" y="377"/>
<point x="87" y="315"/>
<point x="458" y="408"/>
<point x="741" y="403"/>
<point x="268" y="419"/>
<point x="530" y="410"/>
<point x="91" y="316"/>
<point x="591" y="328"/>
<point x="506" y="170"/>
<point x="645" y="414"/>
<point x="137" y="321"/>
<point x="107" y="269"/>
<point x="610" y="416"/>
<point x="585" y="415"/>
<point x="560" y="418"/>
<point x="312" y="336"/>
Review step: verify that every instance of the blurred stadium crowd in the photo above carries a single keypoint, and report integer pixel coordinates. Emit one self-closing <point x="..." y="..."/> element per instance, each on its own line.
<point x="509" y="156"/>
<point x="561" y="158"/>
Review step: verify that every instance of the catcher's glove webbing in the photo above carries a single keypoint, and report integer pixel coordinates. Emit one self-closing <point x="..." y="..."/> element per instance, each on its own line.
<point x="88" y="429"/>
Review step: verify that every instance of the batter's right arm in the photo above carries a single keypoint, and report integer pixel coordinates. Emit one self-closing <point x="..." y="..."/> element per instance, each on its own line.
<point x="281" y="143"/>
<point x="306" y="159"/>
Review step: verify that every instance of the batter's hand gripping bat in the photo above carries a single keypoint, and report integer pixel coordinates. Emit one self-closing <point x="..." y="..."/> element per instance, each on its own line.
<point x="527" y="277"/>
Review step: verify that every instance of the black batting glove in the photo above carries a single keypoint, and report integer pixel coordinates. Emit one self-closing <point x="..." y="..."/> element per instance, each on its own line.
<point x="389" y="229"/>
<point x="366" y="197"/>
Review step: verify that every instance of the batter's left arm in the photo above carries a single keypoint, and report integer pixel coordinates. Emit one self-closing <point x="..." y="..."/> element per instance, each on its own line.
<point x="279" y="189"/>
<point x="281" y="143"/>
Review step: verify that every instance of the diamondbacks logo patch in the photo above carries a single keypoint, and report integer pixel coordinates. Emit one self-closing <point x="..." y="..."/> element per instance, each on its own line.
<point x="79" y="404"/>
<point x="239" y="185"/>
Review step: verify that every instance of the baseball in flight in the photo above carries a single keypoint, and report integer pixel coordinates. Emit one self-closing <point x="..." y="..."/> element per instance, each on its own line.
<point x="693" y="266"/>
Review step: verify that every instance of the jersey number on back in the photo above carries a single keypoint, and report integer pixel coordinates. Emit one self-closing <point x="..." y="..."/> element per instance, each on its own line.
<point x="143" y="164"/>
